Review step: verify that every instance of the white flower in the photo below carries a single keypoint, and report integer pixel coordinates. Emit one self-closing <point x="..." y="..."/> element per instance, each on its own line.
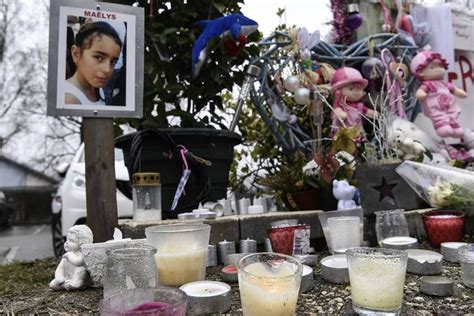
<point x="343" y="157"/>
<point x="311" y="168"/>
<point x="439" y="192"/>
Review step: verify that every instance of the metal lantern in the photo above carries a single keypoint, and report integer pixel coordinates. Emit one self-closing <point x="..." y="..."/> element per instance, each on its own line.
<point x="146" y="196"/>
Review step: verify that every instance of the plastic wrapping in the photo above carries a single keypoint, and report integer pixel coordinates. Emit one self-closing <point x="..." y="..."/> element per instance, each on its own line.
<point x="441" y="186"/>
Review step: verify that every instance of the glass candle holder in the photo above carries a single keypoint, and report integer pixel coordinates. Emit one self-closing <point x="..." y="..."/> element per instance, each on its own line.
<point x="181" y="252"/>
<point x="290" y="240"/>
<point x="345" y="232"/>
<point x="389" y="224"/>
<point x="443" y="226"/>
<point x="466" y="259"/>
<point x="377" y="276"/>
<point x="269" y="283"/>
<point x="128" y="268"/>
<point x="146" y="196"/>
<point x="160" y="301"/>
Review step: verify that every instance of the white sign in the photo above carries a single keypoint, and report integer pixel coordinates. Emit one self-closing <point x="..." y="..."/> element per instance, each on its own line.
<point x="463" y="28"/>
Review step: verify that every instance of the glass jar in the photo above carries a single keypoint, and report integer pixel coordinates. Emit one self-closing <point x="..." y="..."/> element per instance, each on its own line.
<point x="146" y="196"/>
<point x="129" y="268"/>
<point x="466" y="259"/>
<point x="390" y="223"/>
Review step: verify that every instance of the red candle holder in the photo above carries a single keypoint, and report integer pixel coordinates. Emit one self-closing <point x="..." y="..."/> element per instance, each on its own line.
<point x="283" y="238"/>
<point x="443" y="226"/>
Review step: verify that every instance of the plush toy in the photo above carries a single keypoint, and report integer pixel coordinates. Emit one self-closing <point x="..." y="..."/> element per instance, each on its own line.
<point x="237" y="26"/>
<point x="347" y="86"/>
<point x="436" y="95"/>
<point x="344" y="193"/>
<point x="71" y="273"/>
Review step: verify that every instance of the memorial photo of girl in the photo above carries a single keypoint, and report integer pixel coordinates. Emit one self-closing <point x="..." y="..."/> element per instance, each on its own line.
<point x="95" y="65"/>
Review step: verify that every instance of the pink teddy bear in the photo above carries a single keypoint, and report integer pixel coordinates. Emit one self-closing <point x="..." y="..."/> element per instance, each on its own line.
<point x="435" y="94"/>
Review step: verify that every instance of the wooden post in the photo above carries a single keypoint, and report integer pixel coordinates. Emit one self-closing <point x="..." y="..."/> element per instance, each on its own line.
<point x="101" y="192"/>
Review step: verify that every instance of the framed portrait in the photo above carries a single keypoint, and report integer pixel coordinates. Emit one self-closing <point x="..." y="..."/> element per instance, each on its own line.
<point x="95" y="59"/>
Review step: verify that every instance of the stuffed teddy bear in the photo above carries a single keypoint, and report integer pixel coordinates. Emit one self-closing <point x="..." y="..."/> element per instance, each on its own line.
<point x="344" y="193"/>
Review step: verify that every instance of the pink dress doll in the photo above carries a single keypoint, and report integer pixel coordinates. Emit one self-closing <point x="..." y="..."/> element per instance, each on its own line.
<point x="436" y="95"/>
<point x="347" y="86"/>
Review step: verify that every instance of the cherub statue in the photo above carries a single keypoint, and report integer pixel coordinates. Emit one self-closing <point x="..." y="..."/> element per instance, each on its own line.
<point x="71" y="273"/>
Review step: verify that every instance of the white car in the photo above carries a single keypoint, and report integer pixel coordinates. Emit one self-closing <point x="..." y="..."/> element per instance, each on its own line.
<point x="69" y="202"/>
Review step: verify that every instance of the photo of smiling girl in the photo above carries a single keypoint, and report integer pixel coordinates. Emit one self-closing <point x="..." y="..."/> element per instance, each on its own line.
<point x="95" y="52"/>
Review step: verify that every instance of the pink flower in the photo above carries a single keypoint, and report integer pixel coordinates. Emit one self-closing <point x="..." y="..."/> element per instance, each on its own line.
<point x="444" y="101"/>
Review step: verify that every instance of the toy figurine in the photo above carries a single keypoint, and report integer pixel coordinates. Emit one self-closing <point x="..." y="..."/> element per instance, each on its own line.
<point x="347" y="86"/>
<point x="435" y="94"/>
<point x="71" y="273"/>
<point x="344" y="193"/>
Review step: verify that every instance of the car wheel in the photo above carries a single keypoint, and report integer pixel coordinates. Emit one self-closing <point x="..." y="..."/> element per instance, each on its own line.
<point x="58" y="238"/>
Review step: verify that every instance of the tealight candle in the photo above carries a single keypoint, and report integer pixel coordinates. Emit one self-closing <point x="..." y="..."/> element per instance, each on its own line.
<point x="400" y="242"/>
<point x="263" y="202"/>
<point x="424" y="262"/>
<point x="243" y="206"/>
<point x="248" y="246"/>
<point x="227" y="204"/>
<point x="207" y="215"/>
<point x="307" y="280"/>
<point x="224" y="248"/>
<point x="449" y="250"/>
<point x="229" y="274"/>
<point x="201" y="209"/>
<point x="255" y="209"/>
<point x="231" y="259"/>
<point x="334" y="269"/>
<point x="187" y="216"/>
<point x="215" y="207"/>
<point x="207" y="297"/>
<point x="268" y="245"/>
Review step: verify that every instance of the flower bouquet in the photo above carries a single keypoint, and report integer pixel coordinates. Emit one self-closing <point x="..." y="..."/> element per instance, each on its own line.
<point x="442" y="187"/>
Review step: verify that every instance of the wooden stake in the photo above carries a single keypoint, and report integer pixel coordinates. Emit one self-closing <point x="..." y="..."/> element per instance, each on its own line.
<point x="101" y="192"/>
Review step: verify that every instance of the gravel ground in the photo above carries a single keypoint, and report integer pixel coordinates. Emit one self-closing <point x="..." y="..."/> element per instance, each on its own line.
<point x="24" y="290"/>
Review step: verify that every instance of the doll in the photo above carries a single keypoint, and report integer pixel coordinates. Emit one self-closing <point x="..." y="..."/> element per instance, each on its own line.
<point x="435" y="94"/>
<point x="71" y="273"/>
<point x="347" y="86"/>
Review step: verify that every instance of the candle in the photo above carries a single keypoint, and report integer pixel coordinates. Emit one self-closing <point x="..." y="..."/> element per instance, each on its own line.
<point x="263" y="202"/>
<point x="200" y="209"/>
<point x="180" y="264"/>
<point x="424" y="262"/>
<point x="207" y="297"/>
<point x="207" y="215"/>
<point x="229" y="273"/>
<point x="268" y="245"/>
<point x="307" y="280"/>
<point x="400" y="242"/>
<point x="227" y="204"/>
<point x="211" y="256"/>
<point x="215" y="207"/>
<point x="187" y="216"/>
<point x="243" y="206"/>
<point x="248" y="246"/>
<point x="224" y="248"/>
<point x="269" y="291"/>
<point x="334" y="269"/>
<point x="255" y="209"/>
<point x="449" y="250"/>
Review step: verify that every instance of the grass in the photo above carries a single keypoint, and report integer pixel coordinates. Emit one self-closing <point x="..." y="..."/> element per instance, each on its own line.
<point x="24" y="290"/>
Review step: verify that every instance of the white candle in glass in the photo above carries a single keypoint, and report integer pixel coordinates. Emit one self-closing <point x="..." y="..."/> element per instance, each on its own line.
<point x="264" y="292"/>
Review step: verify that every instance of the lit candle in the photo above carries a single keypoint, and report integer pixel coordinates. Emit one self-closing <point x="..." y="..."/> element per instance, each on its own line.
<point x="248" y="246"/>
<point x="224" y="248"/>
<point x="307" y="280"/>
<point x="207" y="297"/>
<point x="267" y="291"/>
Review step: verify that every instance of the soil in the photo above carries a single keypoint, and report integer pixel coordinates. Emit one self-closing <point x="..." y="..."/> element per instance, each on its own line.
<point x="24" y="290"/>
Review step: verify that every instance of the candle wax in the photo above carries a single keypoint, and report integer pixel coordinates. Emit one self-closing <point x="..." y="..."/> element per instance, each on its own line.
<point x="376" y="284"/>
<point x="179" y="266"/>
<point x="270" y="293"/>
<point x="149" y="306"/>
